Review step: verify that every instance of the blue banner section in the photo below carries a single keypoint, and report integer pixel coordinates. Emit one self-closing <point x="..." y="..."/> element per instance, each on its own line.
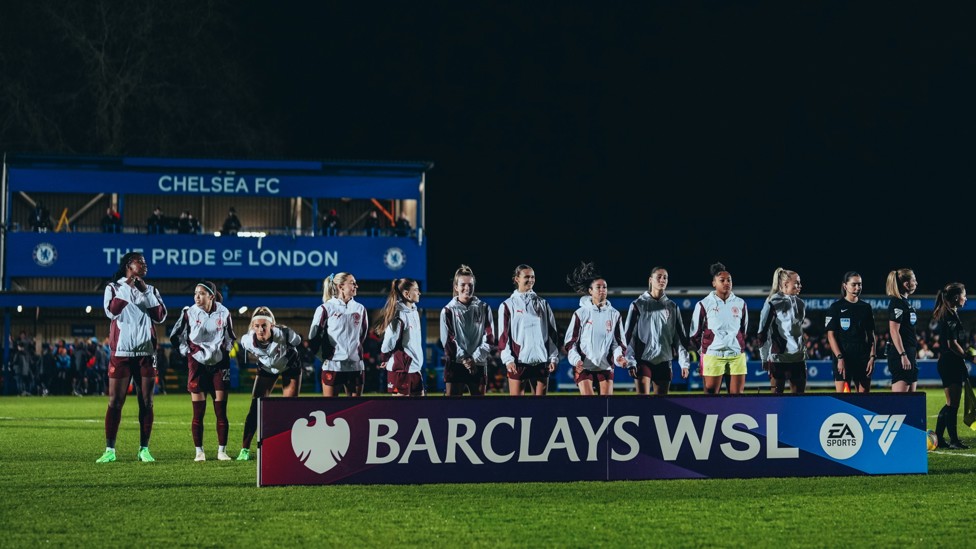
<point x="220" y="177"/>
<point x="820" y="373"/>
<point x="210" y="257"/>
<point x="511" y="439"/>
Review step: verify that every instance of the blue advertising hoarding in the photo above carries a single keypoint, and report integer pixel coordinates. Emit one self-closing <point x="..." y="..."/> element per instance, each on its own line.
<point x="204" y="256"/>
<point x="509" y="439"/>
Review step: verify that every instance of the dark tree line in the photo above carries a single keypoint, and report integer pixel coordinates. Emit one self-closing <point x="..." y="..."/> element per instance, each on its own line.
<point x="123" y="78"/>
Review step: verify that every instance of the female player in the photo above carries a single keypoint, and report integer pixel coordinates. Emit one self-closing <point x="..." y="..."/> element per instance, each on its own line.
<point x="275" y="347"/>
<point x="952" y="366"/>
<point x="781" y="345"/>
<point x="850" y="333"/>
<point x="204" y="334"/>
<point x="595" y="336"/>
<point x="403" y="342"/>
<point x="527" y="339"/>
<point x="134" y="308"/>
<point x="718" y="330"/>
<point x="339" y="328"/>
<point x="467" y="334"/>
<point x="654" y="332"/>
<point x="902" y="348"/>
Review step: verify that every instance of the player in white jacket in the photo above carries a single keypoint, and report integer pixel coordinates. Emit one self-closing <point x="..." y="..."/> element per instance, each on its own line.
<point x="594" y="340"/>
<point x="654" y="332"/>
<point x="718" y="330"/>
<point x="276" y="349"/>
<point x="339" y="328"/>
<point x="781" y="345"/>
<point x="403" y="340"/>
<point x="467" y="334"/>
<point x="135" y="308"/>
<point x="527" y="336"/>
<point x="204" y="334"/>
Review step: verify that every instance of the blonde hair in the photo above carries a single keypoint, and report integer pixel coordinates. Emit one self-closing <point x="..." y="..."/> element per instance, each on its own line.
<point x="262" y="311"/>
<point x="463" y="270"/>
<point x="330" y="286"/>
<point x="893" y="286"/>
<point x="780" y="276"/>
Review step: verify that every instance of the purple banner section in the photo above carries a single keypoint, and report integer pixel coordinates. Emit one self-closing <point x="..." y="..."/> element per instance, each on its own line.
<point x="508" y="439"/>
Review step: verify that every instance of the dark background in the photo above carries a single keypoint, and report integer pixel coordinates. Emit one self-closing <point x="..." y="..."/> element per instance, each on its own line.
<point x="821" y="137"/>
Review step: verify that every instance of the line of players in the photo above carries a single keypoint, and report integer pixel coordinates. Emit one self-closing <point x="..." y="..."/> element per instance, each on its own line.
<point x="596" y="340"/>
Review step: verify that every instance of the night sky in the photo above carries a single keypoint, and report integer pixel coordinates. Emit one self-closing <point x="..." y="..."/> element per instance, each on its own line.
<point x="820" y="137"/>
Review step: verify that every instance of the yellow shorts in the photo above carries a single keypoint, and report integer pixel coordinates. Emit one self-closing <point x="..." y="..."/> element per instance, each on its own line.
<point x="717" y="366"/>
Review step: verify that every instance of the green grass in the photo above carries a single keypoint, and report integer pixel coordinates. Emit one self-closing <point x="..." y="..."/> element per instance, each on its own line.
<point x="52" y="493"/>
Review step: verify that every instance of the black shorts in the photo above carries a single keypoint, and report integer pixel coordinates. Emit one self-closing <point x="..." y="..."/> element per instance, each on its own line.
<point x="855" y="369"/>
<point x="793" y="371"/>
<point x="897" y="372"/>
<point x="952" y="370"/>
<point x="659" y="373"/>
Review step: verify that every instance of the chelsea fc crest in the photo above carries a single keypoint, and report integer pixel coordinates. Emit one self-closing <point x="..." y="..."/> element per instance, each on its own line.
<point x="394" y="259"/>
<point x="45" y="254"/>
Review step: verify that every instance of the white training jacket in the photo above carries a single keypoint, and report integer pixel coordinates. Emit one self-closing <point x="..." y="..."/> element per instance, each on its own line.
<point x="281" y="352"/>
<point x="467" y="331"/>
<point x="654" y="331"/>
<point x="402" y="340"/>
<point x="133" y="315"/>
<point x="527" y="330"/>
<point x="595" y="336"/>
<point x="339" y="329"/>
<point x="718" y="328"/>
<point x="204" y="337"/>
<point x="781" y="329"/>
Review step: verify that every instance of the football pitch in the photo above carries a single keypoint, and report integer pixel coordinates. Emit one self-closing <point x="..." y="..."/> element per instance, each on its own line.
<point x="53" y="493"/>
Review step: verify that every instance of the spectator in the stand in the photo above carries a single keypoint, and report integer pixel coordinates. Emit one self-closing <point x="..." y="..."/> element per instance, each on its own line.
<point x="20" y="368"/>
<point x="527" y="337"/>
<point x="924" y="353"/>
<point x="594" y="340"/>
<point x="232" y="224"/>
<point x="781" y="333"/>
<point x="63" y="366"/>
<point x="655" y="333"/>
<point x="467" y="330"/>
<point x="402" y="227"/>
<point x="204" y="333"/>
<point x="111" y="221"/>
<point x="339" y="327"/>
<point x="901" y="349"/>
<point x="275" y="347"/>
<point x="188" y="224"/>
<point x="81" y="365"/>
<point x="135" y="309"/>
<point x="850" y="331"/>
<point x="156" y="224"/>
<point x="718" y="330"/>
<point x="331" y="223"/>
<point x="402" y="339"/>
<point x="40" y="219"/>
<point x="372" y="224"/>
<point x="952" y="363"/>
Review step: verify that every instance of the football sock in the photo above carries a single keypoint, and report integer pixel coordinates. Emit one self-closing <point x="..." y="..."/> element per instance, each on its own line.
<point x="196" y="427"/>
<point x="951" y="422"/>
<point x="940" y="423"/>
<point x="113" y="416"/>
<point x="146" y="417"/>
<point x="220" y="409"/>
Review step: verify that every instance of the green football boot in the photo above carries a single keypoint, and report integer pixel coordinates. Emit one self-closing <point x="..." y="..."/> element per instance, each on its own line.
<point x="144" y="455"/>
<point x="245" y="454"/>
<point x="107" y="457"/>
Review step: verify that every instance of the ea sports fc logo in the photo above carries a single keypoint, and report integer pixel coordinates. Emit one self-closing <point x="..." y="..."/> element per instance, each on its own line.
<point x="394" y="259"/>
<point x="318" y="445"/>
<point x="45" y="254"/>
<point x="841" y="436"/>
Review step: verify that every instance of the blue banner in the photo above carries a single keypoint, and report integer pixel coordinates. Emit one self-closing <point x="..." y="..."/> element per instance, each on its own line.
<point x="417" y="440"/>
<point x="404" y="185"/>
<point x="205" y="256"/>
